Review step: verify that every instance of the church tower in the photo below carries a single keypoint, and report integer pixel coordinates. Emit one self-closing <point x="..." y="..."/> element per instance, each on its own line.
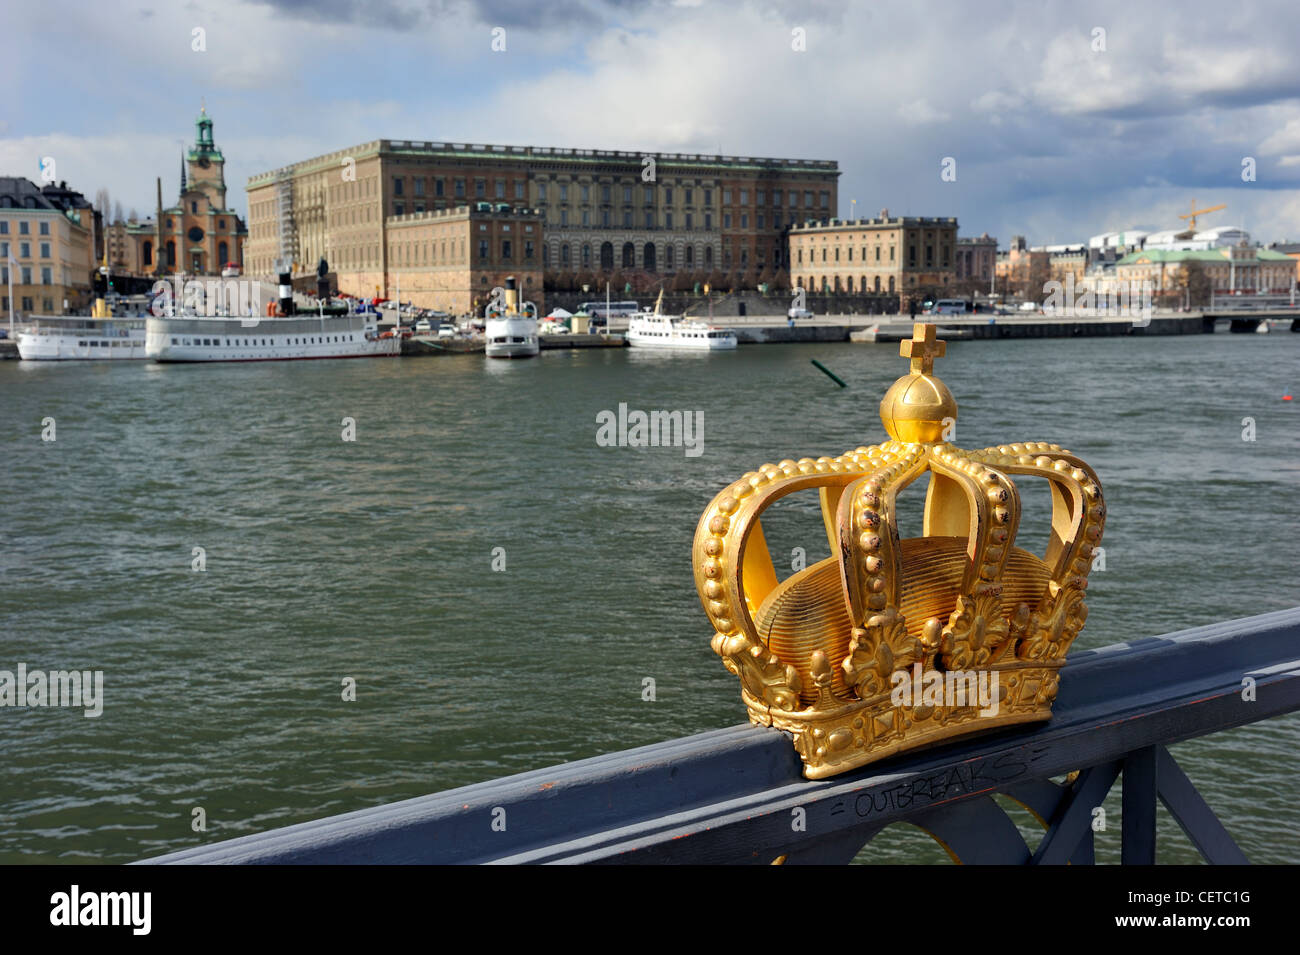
<point x="206" y="165"/>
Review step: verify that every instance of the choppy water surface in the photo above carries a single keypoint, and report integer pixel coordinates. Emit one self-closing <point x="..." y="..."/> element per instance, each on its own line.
<point x="372" y="560"/>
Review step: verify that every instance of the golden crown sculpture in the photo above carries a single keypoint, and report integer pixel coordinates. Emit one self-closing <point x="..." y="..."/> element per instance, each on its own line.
<point x="821" y="653"/>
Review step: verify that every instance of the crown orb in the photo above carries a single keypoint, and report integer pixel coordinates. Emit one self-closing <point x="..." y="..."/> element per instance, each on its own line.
<point x="915" y="407"/>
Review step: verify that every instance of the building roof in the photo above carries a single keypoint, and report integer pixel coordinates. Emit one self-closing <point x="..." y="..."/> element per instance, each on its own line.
<point x="1199" y="255"/>
<point x="542" y="155"/>
<point x="19" y="193"/>
<point x="816" y="225"/>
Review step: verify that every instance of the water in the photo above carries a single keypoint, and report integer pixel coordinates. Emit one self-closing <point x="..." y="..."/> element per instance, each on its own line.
<point x="371" y="561"/>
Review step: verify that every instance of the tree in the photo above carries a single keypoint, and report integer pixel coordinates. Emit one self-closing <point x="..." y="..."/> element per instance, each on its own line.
<point x="1194" y="283"/>
<point x="117" y="212"/>
<point x="134" y="216"/>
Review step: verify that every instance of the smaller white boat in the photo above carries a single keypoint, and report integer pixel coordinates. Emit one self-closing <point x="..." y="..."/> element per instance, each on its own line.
<point x="656" y="330"/>
<point x="511" y="329"/>
<point x="80" y="337"/>
<point x="1263" y="327"/>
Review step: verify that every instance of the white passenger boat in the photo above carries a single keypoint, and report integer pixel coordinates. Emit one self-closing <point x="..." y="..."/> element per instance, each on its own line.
<point x="511" y="329"/>
<point x="301" y="336"/>
<point x="655" y="330"/>
<point x="79" y="337"/>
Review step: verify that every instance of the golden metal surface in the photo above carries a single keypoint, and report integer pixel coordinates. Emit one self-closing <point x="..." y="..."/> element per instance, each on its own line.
<point x="820" y="653"/>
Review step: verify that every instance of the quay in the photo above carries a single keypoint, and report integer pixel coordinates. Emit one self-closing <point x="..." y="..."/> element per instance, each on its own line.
<point x="728" y="796"/>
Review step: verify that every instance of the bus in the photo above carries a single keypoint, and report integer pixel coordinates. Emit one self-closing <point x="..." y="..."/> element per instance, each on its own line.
<point x="599" y="312"/>
<point x="949" y="306"/>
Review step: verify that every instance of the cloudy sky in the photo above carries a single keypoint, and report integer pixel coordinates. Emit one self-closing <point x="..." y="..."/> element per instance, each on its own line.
<point x="1064" y="119"/>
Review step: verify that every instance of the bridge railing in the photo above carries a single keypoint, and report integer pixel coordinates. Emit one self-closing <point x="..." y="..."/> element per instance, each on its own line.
<point x="737" y="795"/>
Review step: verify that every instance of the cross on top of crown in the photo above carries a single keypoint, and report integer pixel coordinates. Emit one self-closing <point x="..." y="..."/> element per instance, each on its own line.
<point x="923" y="348"/>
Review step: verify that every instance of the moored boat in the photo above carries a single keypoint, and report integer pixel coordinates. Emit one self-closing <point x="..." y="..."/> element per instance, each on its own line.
<point x="511" y="329"/>
<point x="80" y="337"/>
<point x="656" y="330"/>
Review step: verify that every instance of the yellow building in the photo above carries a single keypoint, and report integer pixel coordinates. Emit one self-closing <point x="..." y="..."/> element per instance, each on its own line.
<point x="1236" y="268"/>
<point x="50" y="233"/>
<point x="897" y="254"/>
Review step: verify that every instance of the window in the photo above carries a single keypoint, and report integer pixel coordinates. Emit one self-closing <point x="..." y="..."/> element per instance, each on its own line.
<point x="794" y="199"/>
<point x="45" y="228"/>
<point x="584" y="192"/>
<point x="668" y="195"/>
<point x="460" y="188"/>
<point x="46" y="278"/>
<point x="825" y="199"/>
<point x="564" y="217"/>
<point x="24" y="228"/>
<point x="627" y="193"/>
<point x="482" y="248"/>
<point x="744" y="197"/>
<point x="627" y="219"/>
<point x="27" y="303"/>
<point x="564" y="192"/>
<point x="726" y="220"/>
<point x="586" y="217"/>
<point x="437" y="187"/>
<point x="586" y="256"/>
<point x="25" y="250"/>
<point x="762" y="197"/>
<point x="397" y="186"/>
<point x="649" y="220"/>
<point x="649" y="194"/>
<point x="690" y="196"/>
<point x="690" y="224"/>
<point x="480" y="188"/>
<point x="604" y="218"/>
<point x="668" y="220"/>
<point x="4" y="226"/>
<point x="194" y="206"/>
<point x="807" y="199"/>
<point x="501" y="188"/>
<point x="506" y="248"/>
<point x="744" y="220"/>
<point x="564" y="255"/>
<point x="541" y="192"/>
<point x="399" y="209"/>
<point x="708" y="220"/>
<point x="519" y="188"/>
<point x="4" y="251"/>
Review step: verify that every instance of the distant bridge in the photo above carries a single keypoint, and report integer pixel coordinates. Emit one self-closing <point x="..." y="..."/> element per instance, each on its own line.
<point x="737" y="795"/>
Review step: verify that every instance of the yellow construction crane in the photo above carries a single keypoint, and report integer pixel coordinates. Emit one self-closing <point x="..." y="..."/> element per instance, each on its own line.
<point x="1199" y="212"/>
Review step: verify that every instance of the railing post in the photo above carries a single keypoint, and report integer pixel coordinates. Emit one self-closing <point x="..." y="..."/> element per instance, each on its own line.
<point x="1138" y="808"/>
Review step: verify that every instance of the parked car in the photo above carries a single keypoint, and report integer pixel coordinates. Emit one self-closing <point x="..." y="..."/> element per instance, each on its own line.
<point x="799" y="313"/>
<point x="423" y="327"/>
<point x="446" y="331"/>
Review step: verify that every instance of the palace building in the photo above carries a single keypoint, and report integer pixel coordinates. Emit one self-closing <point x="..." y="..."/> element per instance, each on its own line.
<point x="199" y="235"/>
<point x="642" y="215"/>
